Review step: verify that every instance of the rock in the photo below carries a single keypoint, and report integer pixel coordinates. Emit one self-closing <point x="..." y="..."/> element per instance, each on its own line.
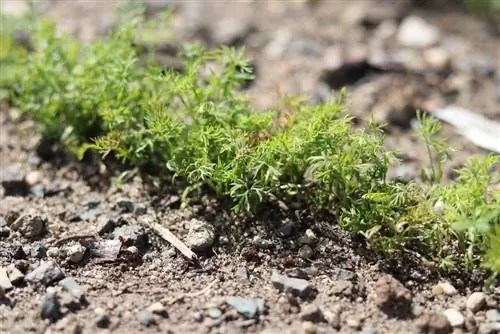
<point x="15" y="275"/>
<point x="140" y="209"/>
<point x="47" y="273"/>
<point x="214" y="313"/>
<point x="437" y="58"/>
<point x="38" y="191"/>
<point x="103" y="321"/>
<point x="343" y="274"/>
<point x="369" y="330"/>
<point x="475" y="301"/>
<point x="489" y="328"/>
<point x="241" y="274"/>
<point x="33" y="178"/>
<point x="91" y="203"/>
<point x="433" y="324"/>
<point x="125" y="203"/>
<point x="12" y="179"/>
<point x="305" y="252"/>
<point x="5" y="283"/>
<point x="133" y="235"/>
<point x="342" y="287"/>
<point x="198" y="316"/>
<point x="75" y="253"/>
<point x="392" y="297"/>
<point x="249" y="308"/>
<point x="295" y="286"/>
<point x="493" y="315"/>
<point x="104" y="225"/>
<point x="309" y="238"/>
<point x="444" y="288"/>
<point x="105" y="249"/>
<point x="50" y="308"/>
<point x="146" y="318"/>
<point x="285" y="230"/>
<point x="414" y="32"/>
<point x="159" y="309"/>
<point x="4" y="232"/>
<point x="73" y="288"/>
<point x="309" y="327"/>
<point x="201" y="236"/>
<point x="455" y="318"/>
<point x="312" y="313"/>
<point x="231" y="31"/>
<point x="53" y="252"/>
<point x="38" y="251"/>
<point x="31" y="226"/>
<point x="87" y="215"/>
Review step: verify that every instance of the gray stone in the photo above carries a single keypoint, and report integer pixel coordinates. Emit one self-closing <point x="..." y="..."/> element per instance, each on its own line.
<point x="305" y="252"/>
<point x="242" y="274"/>
<point x="53" y="252"/>
<point x="133" y="235"/>
<point x="312" y="313"/>
<point x="201" y="236"/>
<point x="15" y="275"/>
<point x="415" y="32"/>
<point x="104" y="225"/>
<point x="30" y="226"/>
<point x="75" y="253"/>
<point x="73" y="288"/>
<point x="475" y="301"/>
<point x="38" y="191"/>
<point x="125" y="203"/>
<point x="493" y="315"/>
<point x="343" y="274"/>
<point x="249" y="308"/>
<point x="489" y="328"/>
<point x="342" y="287"/>
<point x="38" y="251"/>
<point x="47" y="273"/>
<point x="198" y="316"/>
<point x="214" y="313"/>
<point x="455" y="318"/>
<point x="447" y="289"/>
<point x="309" y="238"/>
<point x="50" y="308"/>
<point x="146" y="318"/>
<point x="90" y="215"/>
<point x="140" y="209"/>
<point x="295" y="286"/>
<point x="369" y="330"/>
<point x="5" y="283"/>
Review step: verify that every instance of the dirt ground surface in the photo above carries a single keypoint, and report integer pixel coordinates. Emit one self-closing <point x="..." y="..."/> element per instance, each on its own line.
<point x="78" y="253"/>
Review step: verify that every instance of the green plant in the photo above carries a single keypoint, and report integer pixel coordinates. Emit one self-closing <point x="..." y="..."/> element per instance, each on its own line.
<point x="198" y="127"/>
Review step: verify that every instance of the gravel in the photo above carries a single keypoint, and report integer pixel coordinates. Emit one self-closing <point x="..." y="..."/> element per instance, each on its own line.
<point x="249" y="308"/>
<point x="70" y="285"/>
<point x="392" y="297"/>
<point x="201" y="236"/>
<point x="295" y="286"/>
<point x="50" y="308"/>
<point x="476" y="301"/>
<point x="46" y="273"/>
<point x="133" y="235"/>
<point x="455" y="318"/>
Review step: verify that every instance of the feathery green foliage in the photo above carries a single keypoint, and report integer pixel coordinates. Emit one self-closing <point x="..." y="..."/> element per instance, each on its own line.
<point x="196" y="125"/>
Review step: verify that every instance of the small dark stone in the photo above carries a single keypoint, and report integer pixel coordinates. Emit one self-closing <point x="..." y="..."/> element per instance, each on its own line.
<point x="4" y="232"/>
<point x="12" y="180"/>
<point x="104" y="225"/>
<point x="285" y="230"/>
<point x="312" y="313"/>
<point x="91" y="203"/>
<point x="126" y="204"/>
<point x="19" y="253"/>
<point x="31" y="226"/>
<point x="51" y="309"/>
<point x="140" y="209"/>
<point x="38" y="251"/>
<point x="198" y="316"/>
<point x="306" y="252"/>
<point x="103" y="321"/>
<point x="392" y="297"/>
<point x="133" y="235"/>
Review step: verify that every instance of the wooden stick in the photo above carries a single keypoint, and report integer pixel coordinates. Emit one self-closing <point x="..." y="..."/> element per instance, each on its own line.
<point x="174" y="241"/>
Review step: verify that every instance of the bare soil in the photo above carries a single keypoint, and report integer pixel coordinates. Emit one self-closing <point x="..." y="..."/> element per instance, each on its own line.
<point x="353" y="289"/>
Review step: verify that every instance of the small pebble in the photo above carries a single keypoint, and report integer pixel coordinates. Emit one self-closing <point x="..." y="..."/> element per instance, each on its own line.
<point x="102" y="321"/>
<point x="50" y="308"/>
<point x="46" y="273"/>
<point x="455" y="318"/>
<point x="446" y="288"/>
<point x="214" y="313"/>
<point x="75" y="253"/>
<point x="198" y="316"/>
<point x="309" y="327"/>
<point x="146" y="318"/>
<point x="475" y="301"/>
<point x="493" y="315"/>
<point x="305" y="252"/>
<point x="159" y="309"/>
<point x="53" y="252"/>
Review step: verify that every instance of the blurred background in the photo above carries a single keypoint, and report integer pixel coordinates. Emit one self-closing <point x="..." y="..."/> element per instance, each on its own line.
<point x="394" y="57"/>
